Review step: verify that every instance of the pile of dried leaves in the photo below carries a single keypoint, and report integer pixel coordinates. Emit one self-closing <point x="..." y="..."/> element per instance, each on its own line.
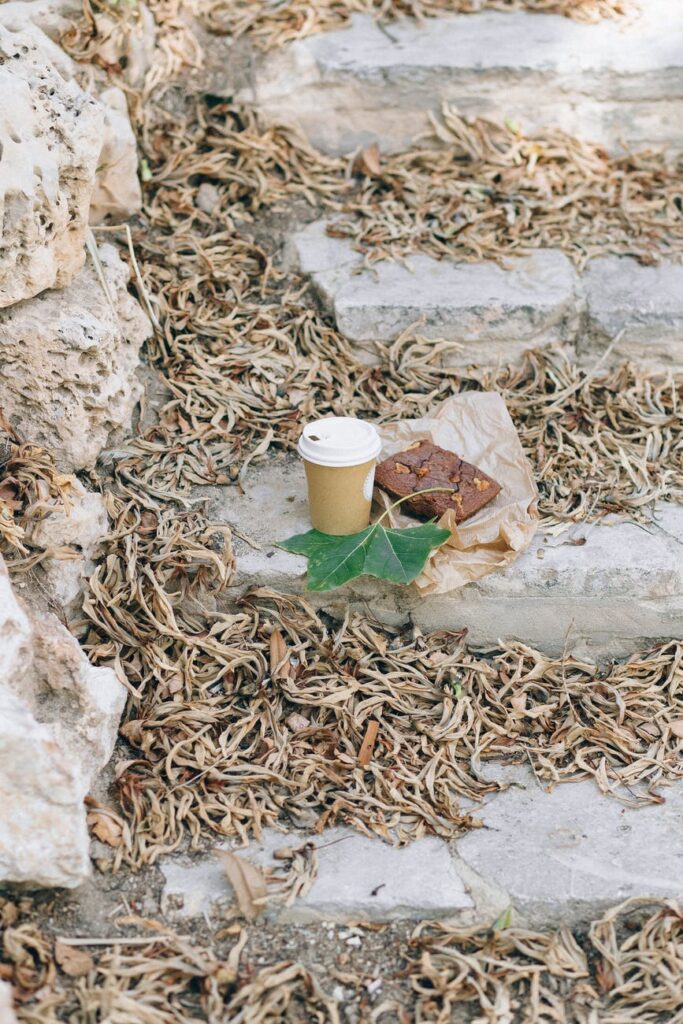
<point x="628" y="969"/>
<point x="470" y="189"/>
<point x="272" y="25"/>
<point x="30" y="488"/>
<point x="244" y="719"/>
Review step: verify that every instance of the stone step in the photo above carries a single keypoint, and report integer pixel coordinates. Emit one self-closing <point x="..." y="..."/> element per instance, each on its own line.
<point x="620" y="589"/>
<point x="558" y="857"/>
<point x="616" y="82"/>
<point x="494" y="312"/>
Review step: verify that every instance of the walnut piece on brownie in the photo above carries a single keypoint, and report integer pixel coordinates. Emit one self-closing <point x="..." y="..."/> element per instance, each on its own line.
<point x="423" y="465"/>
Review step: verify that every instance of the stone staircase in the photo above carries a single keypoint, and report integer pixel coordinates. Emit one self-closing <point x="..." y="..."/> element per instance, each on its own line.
<point x="615" y="82"/>
<point x="560" y="856"/>
<point x="618" y="589"/>
<point x="494" y="313"/>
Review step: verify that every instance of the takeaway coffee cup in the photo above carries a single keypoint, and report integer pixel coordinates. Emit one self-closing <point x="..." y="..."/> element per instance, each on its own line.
<point x="339" y="456"/>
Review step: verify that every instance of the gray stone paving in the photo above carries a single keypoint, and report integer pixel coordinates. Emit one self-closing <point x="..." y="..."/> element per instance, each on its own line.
<point x="642" y="305"/>
<point x="554" y="857"/>
<point x="569" y="854"/>
<point x="612" y="82"/>
<point x="494" y="313"/>
<point x="622" y="588"/>
<point x="563" y="856"/>
<point x="358" y="877"/>
<point x="491" y="311"/>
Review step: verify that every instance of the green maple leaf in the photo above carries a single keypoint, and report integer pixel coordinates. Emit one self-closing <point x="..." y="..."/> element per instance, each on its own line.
<point x="388" y="554"/>
<point x="332" y="561"/>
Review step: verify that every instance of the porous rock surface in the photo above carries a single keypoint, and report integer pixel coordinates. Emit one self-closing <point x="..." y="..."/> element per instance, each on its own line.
<point x="125" y="43"/>
<point x="51" y="134"/>
<point x="116" y="186"/>
<point x="68" y="361"/>
<point x="58" y="723"/>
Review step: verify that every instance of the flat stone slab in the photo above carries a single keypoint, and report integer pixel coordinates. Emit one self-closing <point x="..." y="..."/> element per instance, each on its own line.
<point x="358" y="877"/>
<point x="616" y="82"/>
<point x="491" y="311"/>
<point x="495" y="313"/>
<point x="570" y="854"/>
<point x="564" y="856"/>
<point x="621" y="589"/>
<point x="641" y="306"/>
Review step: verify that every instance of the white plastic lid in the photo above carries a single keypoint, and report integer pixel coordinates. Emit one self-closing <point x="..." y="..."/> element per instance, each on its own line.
<point x="339" y="441"/>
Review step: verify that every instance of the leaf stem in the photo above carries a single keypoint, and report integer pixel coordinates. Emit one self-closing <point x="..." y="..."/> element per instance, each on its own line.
<point x="415" y="494"/>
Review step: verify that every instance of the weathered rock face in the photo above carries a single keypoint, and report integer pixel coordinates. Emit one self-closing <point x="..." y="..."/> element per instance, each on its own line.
<point x="58" y="722"/>
<point x="51" y="134"/>
<point x="126" y="41"/>
<point x="116" y="187"/>
<point x="69" y="535"/>
<point x="117" y="191"/>
<point x="68" y="360"/>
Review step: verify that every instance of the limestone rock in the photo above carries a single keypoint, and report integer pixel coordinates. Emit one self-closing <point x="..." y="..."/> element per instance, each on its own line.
<point x="116" y="187"/>
<point x="128" y="42"/>
<point x="207" y="198"/>
<point x="58" y="722"/>
<point x="125" y="42"/>
<point x="117" y="190"/>
<point x="14" y="629"/>
<point x="51" y="134"/>
<point x="68" y="361"/>
<point x="70" y="535"/>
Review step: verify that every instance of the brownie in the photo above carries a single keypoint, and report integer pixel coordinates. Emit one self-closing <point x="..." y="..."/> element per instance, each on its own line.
<point x="425" y="465"/>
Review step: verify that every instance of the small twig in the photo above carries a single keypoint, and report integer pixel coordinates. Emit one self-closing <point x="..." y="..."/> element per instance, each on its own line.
<point x="407" y="497"/>
<point x="91" y="246"/>
<point x="119" y="940"/>
<point x="136" y="269"/>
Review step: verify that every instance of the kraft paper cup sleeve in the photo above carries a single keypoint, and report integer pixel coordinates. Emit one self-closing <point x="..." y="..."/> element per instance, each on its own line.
<point x="478" y="428"/>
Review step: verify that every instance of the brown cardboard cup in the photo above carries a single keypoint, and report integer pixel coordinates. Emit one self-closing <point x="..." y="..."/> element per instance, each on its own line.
<point x="340" y="454"/>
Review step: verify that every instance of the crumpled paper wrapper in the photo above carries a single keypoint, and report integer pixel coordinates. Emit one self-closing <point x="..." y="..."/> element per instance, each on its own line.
<point x="477" y="427"/>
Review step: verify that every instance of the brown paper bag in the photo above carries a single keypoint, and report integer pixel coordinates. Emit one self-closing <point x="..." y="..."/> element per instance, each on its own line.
<point x="477" y="427"/>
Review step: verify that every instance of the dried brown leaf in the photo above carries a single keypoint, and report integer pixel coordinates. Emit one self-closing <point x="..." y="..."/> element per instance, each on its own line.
<point x="73" y="961"/>
<point x="106" y="828"/>
<point x="368" y="161"/>
<point x="247" y="881"/>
